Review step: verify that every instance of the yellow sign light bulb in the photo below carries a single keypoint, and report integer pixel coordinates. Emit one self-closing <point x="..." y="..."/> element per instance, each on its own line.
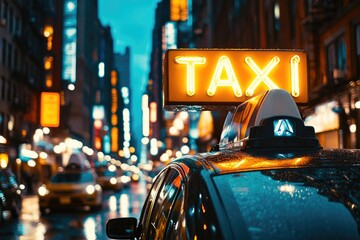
<point x="294" y="65"/>
<point x="224" y="64"/>
<point x="190" y="71"/>
<point x="261" y="75"/>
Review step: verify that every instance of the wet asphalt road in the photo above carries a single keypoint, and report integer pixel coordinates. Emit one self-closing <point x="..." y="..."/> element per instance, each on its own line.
<point x="74" y="224"/>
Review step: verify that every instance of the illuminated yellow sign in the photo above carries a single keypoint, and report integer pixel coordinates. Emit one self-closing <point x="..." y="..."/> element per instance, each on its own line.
<point x="219" y="77"/>
<point x="50" y="109"/>
<point x="178" y="10"/>
<point x="114" y="139"/>
<point x="114" y="110"/>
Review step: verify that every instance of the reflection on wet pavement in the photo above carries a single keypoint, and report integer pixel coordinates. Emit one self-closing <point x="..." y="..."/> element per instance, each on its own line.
<point x="75" y="225"/>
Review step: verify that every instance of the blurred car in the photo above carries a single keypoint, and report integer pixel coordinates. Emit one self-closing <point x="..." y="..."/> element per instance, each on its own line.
<point x="134" y="173"/>
<point x="109" y="177"/>
<point x="71" y="188"/>
<point x="126" y="179"/>
<point x="267" y="179"/>
<point x="78" y="160"/>
<point x="11" y="191"/>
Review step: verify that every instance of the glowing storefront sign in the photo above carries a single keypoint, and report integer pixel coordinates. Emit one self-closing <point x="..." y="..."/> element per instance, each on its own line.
<point x="113" y="138"/>
<point x="50" y="109"/>
<point x="69" y="40"/>
<point x="218" y="77"/>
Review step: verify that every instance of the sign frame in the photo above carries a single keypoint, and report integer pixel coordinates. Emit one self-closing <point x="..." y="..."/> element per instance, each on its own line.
<point x="245" y="70"/>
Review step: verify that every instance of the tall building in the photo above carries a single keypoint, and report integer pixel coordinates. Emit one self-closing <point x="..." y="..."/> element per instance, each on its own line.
<point x="168" y="130"/>
<point x="122" y="64"/>
<point x="328" y="32"/>
<point x="56" y="69"/>
<point x="104" y="108"/>
<point x="79" y="66"/>
<point x="21" y="71"/>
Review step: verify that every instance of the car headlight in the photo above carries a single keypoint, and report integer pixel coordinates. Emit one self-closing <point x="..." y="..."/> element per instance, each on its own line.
<point x="90" y="189"/>
<point x="113" y="180"/>
<point x="98" y="187"/>
<point x="42" y="190"/>
<point x="125" y="179"/>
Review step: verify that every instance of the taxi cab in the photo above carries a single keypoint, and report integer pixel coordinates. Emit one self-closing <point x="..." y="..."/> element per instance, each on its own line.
<point x="268" y="178"/>
<point x="73" y="187"/>
<point x="109" y="177"/>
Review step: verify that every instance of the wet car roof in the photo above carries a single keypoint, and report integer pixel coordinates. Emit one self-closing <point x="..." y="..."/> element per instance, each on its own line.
<point x="236" y="160"/>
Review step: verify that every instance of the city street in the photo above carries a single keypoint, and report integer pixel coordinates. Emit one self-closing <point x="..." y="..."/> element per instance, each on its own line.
<point x="73" y="224"/>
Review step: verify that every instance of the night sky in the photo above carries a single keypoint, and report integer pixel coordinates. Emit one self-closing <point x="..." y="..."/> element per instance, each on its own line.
<point x="132" y="22"/>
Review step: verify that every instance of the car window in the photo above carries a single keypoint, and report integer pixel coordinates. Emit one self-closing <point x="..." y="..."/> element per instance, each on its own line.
<point x="226" y="134"/>
<point x="163" y="204"/>
<point x="149" y="203"/>
<point x="284" y="204"/>
<point x="175" y="228"/>
<point x="107" y="174"/>
<point x="72" y="177"/>
<point x="204" y="222"/>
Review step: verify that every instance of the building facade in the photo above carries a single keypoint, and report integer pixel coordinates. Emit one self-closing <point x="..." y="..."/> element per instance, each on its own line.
<point x="328" y="31"/>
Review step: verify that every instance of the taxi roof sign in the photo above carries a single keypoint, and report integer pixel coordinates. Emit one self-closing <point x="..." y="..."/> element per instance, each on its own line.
<point x="211" y="78"/>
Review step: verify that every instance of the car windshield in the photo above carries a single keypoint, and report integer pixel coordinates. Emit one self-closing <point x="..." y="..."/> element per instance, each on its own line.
<point x="72" y="177"/>
<point x="285" y="204"/>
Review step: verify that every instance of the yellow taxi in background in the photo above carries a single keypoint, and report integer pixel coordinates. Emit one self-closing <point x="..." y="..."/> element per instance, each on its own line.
<point x="71" y="188"/>
<point x="109" y="177"/>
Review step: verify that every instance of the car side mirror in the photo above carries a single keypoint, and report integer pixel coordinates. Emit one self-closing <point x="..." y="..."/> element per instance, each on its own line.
<point x="121" y="228"/>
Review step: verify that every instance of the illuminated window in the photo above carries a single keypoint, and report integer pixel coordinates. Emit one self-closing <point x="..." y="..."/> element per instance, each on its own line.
<point x="23" y="132"/>
<point x="153" y="112"/>
<point x="170" y="35"/>
<point x="48" y="63"/>
<point x="114" y="105"/>
<point x="114" y="119"/>
<point x="49" y="80"/>
<point x="101" y="70"/>
<point x="114" y="139"/>
<point x="113" y="78"/>
<point x="49" y="43"/>
<point x="276" y="17"/>
<point x="97" y="143"/>
<point x="48" y="31"/>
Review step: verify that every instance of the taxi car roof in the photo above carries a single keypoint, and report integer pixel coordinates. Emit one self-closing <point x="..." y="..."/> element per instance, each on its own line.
<point x="232" y="161"/>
